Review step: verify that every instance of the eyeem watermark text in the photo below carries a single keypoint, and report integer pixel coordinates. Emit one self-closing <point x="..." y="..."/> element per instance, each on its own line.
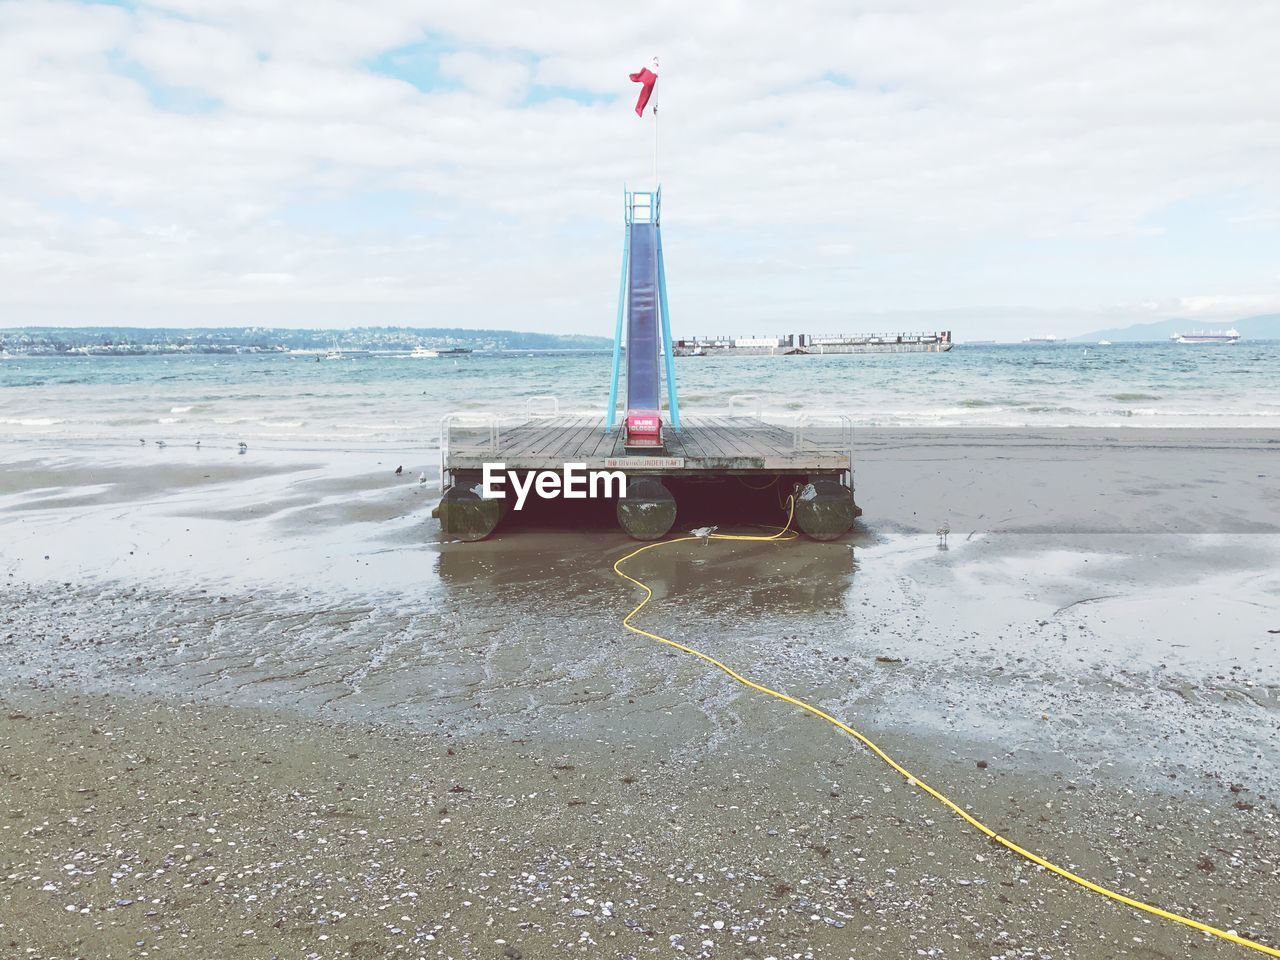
<point x="573" y="482"/>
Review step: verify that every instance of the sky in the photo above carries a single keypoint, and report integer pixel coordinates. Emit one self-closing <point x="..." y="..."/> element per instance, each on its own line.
<point x="1002" y="169"/>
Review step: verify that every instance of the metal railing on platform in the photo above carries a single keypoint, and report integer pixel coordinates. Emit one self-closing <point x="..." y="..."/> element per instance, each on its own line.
<point x="491" y="422"/>
<point x="555" y="405"/>
<point x="809" y="432"/>
<point x="742" y="397"/>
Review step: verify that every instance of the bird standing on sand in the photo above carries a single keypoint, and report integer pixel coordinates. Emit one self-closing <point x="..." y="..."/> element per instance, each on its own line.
<point x="244" y="447"/>
<point x="943" y="532"/>
<point x="161" y="443"/>
<point x="422" y="478"/>
<point x="399" y="470"/>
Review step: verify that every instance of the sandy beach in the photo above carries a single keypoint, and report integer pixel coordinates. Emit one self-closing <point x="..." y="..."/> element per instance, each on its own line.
<point x="252" y="706"/>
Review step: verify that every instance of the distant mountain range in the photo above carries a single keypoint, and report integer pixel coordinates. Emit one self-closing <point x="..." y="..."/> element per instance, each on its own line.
<point x="46" y="341"/>
<point x="1263" y="327"/>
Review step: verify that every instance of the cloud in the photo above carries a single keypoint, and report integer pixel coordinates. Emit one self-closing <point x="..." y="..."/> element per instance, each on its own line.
<point x="1229" y="305"/>
<point x="501" y="80"/>
<point x="820" y="164"/>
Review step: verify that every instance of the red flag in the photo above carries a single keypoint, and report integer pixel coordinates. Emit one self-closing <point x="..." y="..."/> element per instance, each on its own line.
<point x="649" y="77"/>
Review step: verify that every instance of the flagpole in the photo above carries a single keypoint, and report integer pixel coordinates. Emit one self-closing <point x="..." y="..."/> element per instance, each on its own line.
<point x="655" y="146"/>
<point x="656" y="97"/>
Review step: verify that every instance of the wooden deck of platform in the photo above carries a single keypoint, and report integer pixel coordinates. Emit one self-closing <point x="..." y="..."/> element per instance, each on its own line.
<point x="705" y="445"/>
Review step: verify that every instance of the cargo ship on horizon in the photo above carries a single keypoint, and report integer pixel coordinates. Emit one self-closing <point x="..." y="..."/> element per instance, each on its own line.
<point x="1208" y="336"/>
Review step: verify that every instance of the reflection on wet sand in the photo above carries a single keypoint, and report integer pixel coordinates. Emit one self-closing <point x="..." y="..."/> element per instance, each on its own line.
<point x="724" y="577"/>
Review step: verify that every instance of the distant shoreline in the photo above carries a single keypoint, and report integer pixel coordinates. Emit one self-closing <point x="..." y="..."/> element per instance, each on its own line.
<point x="139" y="341"/>
<point x="309" y="352"/>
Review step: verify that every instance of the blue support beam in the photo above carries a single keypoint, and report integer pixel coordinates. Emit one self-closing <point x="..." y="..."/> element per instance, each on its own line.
<point x="673" y="407"/>
<point x="612" y="417"/>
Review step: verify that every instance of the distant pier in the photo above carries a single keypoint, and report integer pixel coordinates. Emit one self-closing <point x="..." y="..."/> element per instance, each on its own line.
<point x="804" y="344"/>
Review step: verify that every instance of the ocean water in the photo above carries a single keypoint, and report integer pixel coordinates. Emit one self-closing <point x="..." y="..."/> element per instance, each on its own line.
<point x="296" y="401"/>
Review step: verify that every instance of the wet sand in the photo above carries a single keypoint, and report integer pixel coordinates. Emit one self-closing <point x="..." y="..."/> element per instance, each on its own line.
<point x="144" y="828"/>
<point x="275" y="648"/>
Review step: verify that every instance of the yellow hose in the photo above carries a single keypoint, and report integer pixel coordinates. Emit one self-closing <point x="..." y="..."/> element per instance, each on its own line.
<point x="786" y="534"/>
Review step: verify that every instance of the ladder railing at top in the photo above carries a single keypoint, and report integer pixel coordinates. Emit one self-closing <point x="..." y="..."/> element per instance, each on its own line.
<point x="642" y="206"/>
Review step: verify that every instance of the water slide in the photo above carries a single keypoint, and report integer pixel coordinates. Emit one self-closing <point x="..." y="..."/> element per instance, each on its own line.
<point x="642" y="320"/>
<point x="642" y="304"/>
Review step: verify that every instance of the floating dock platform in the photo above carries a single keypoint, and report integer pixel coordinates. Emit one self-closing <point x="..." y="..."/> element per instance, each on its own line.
<point x="733" y="446"/>
<point x="811" y="460"/>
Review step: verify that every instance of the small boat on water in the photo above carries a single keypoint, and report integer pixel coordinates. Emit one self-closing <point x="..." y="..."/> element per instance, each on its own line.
<point x="1104" y="343"/>
<point x="1208" y="336"/>
<point x="432" y="353"/>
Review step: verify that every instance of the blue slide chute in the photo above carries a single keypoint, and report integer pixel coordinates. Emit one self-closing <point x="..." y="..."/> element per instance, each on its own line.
<point x="642" y="320"/>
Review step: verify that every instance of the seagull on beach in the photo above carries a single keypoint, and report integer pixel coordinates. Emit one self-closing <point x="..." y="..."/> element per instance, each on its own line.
<point x="943" y="532"/>
<point x="399" y="470"/>
<point x="143" y="442"/>
<point x="161" y="443"/>
<point x="422" y="478"/>
<point x="197" y="444"/>
<point x="244" y="447"/>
